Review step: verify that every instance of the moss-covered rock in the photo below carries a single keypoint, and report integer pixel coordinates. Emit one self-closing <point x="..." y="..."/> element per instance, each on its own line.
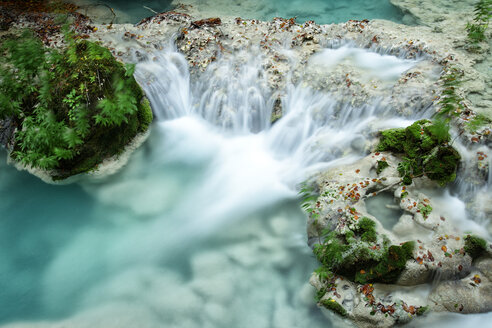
<point x="381" y="166"/>
<point x="390" y="265"/>
<point x="441" y="166"/>
<point x="422" y="310"/>
<point x="367" y="229"/>
<point x="392" y="140"/>
<point x="475" y="246"/>
<point x="75" y="107"/>
<point x="358" y="255"/>
<point x="334" y="306"/>
<point x="424" y="149"/>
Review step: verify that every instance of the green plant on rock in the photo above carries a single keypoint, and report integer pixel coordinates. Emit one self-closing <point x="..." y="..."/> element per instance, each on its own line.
<point x="391" y="265"/>
<point x="334" y="306"/>
<point x="309" y="198"/>
<point x="75" y="106"/>
<point x="425" y="210"/>
<point x="422" y="310"/>
<point x="478" y="122"/>
<point x="450" y="102"/>
<point x="475" y="246"/>
<point x="367" y="230"/>
<point x="425" y="151"/>
<point x="476" y="30"/>
<point x="381" y="166"/>
<point x="357" y="255"/>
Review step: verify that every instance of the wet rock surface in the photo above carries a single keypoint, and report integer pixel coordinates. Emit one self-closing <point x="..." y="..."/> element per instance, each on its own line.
<point x="7" y="130"/>
<point x="442" y="271"/>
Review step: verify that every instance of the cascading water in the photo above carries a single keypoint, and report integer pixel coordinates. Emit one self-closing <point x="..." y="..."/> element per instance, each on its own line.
<point x="202" y="228"/>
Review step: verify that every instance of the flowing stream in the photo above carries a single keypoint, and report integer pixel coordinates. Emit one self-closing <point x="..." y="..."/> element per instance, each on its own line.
<point x="202" y="228"/>
<point x="322" y="11"/>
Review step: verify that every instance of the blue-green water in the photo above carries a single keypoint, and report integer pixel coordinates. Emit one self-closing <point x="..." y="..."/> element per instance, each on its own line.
<point x="154" y="243"/>
<point x="36" y="220"/>
<point x="321" y="11"/>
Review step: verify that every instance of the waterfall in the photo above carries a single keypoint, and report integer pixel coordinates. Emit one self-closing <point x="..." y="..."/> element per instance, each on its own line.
<point x="202" y="227"/>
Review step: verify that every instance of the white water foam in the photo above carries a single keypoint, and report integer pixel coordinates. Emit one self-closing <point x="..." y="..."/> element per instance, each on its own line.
<point x="202" y="228"/>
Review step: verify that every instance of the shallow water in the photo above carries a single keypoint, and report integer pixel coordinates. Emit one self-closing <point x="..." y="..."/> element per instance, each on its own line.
<point x="321" y="11"/>
<point x="385" y="208"/>
<point x="201" y="229"/>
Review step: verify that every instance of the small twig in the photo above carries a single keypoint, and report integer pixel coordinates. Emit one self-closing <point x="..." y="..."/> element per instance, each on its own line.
<point x="152" y="10"/>
<point x="98" y="79"/>
<point x="454" y="139"/>
<point x="87" y="94"/>
<point x="372" y="194"/>
<point x="104" y="5"/>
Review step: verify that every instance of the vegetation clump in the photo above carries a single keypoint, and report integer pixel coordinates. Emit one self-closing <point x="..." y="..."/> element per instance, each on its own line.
<point x="475" y="246"/>
<point x="367" y="230"/>
<point x="381" y="166"/>
<point x="357" y="255"/>
<point x="425" y="210"/>
<point x="450" y="102"/>
<point x="334" y="306"/>
<point x="476" y="30"/>
<point x="425" y="149"/>
<point x="422" y="310"/>
<point x="73" y="107"/>
<point x="309" y="197"/>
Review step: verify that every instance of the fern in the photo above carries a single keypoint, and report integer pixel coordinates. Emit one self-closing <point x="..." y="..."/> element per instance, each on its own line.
<point x="439" y="131"/>
<point x="54" y="97"/>
<point x="476" y="30"/>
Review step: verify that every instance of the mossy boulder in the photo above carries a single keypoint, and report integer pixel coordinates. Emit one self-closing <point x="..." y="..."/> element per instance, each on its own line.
<point x="358" y="254"/>
<point x="424" y="149"/>
<point x="75" y="107"/>
<point x="475" y="246"/>
<point x="381" y="166"/>
<point x="334" y="306"/>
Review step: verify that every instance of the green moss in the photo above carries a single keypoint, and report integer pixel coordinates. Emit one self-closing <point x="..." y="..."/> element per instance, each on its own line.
<point x="76" y="106"/>
<point x="425" y="209"/>
<point x="145" y="115"/>
<point x="424" y="149"/>
<point x="422" y="310"/>
<point x="392" y="140"/>
<point x="381" y="166"/>
<point x="334" y="306"/>
<point x="319" y="294"/>
<point x="441" y="166"/>
<point x="275" y="117"/>
<point x="475" y="246"/>
<point x="357" y="256"/>
<point x="389" y="267"/>
<point x="367" y="228"/>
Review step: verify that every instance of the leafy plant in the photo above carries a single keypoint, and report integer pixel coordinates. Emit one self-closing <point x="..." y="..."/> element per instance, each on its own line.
<point x="425" y="210"/>
<point x="476" y="30"/>
<point x="381" y="166"/>
<point x="450" y="103"/>
<point x="308" y="200"/>
<point x="74" y="106"/>
<point x="477" y="122"/>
